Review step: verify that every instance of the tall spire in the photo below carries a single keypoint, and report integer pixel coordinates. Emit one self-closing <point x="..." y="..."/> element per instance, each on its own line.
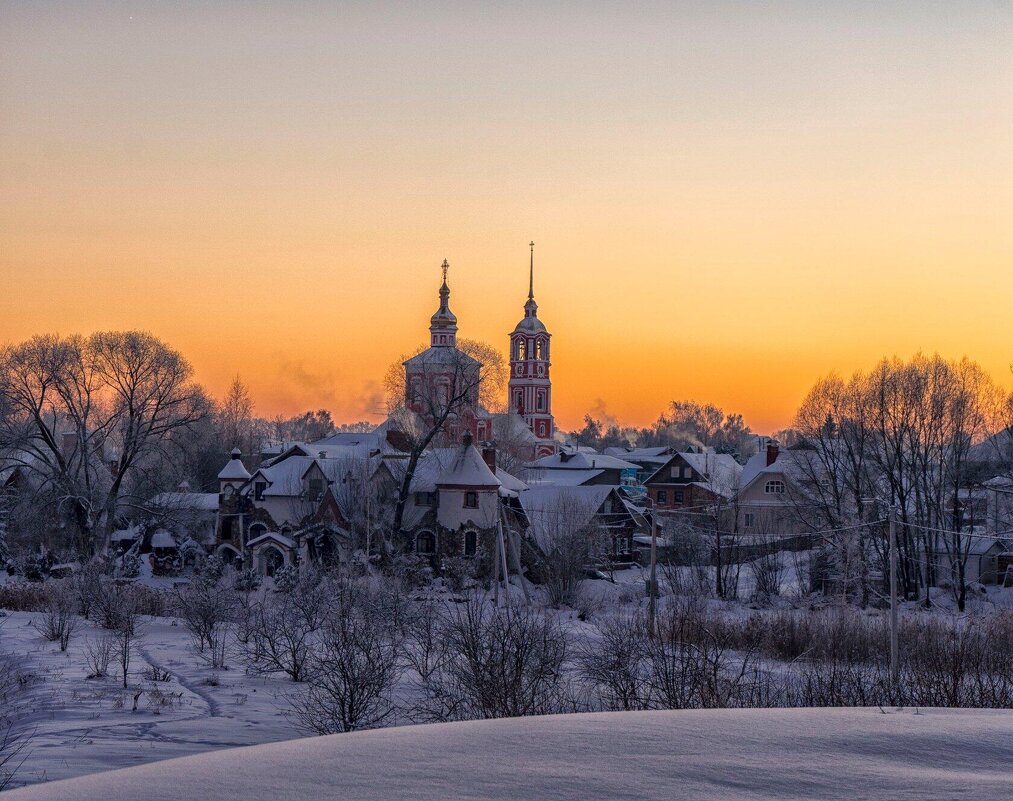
<point x="443" y="325"/>
<point x="531" y="274"/>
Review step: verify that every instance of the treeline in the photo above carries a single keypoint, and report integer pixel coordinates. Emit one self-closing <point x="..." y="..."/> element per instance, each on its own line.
<point x="91" y="428"/>
<point x="684" y="424"/>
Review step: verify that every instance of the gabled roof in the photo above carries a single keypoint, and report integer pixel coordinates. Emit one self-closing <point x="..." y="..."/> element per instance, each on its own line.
<point x="272" y="536"/>
<point x="720" y="473"/>
<point x="549" y="507"/>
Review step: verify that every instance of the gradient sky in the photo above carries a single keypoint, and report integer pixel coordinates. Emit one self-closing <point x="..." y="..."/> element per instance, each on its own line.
<point x="728" y="200"/>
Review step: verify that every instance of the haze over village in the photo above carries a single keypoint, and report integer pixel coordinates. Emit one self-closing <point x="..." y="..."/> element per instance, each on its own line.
<point x="557" y="401"/>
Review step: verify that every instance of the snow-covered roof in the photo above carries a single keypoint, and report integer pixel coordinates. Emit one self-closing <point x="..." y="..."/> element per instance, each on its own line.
<point x="162" y="539"/>
<point x="272" y="536"/>
<point x="798" y="464"/>
<point x="128" y="534"/>
<point x="581" y="460"/>
<point x="658" y="455"/>
<point x="187" y="501"/>
<point x="562" y="478"/>
<point x="443" y="356"/>
<point x="509" y="482"/>
<point x="549" y="508"/>
<point x="234" y="469"/>
<point x="467" y="469"/>
<point x="720" y="473"/>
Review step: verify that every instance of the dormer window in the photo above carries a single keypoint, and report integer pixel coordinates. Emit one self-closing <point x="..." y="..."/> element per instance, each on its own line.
<point x="316" y="489"/>
<point x="258" y="490"/>
<point x="774" y="487"/>
<point x="471" y="500"/>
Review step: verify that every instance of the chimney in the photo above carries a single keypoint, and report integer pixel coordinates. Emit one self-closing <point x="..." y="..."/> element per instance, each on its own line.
<point x="68" y="443"/>
<point x="772" y="451"/>
<point x="489" y="455"/>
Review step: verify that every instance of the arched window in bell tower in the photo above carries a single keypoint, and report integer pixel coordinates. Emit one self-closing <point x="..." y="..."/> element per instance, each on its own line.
<point x="522" y="347"/>
<point x="539" y="349"/>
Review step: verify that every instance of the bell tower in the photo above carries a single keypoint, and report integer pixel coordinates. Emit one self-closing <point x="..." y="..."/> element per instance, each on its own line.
<point x="530" y="388"/>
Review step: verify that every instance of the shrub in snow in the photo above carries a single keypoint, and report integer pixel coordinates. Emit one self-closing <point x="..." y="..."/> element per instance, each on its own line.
<point x="130" y="564"/>
<point x="459" y="572"/>
<point x="247" y="581"/>
<point x="204" y="606"/>
<point x="412" y="570"/>
<point x="60" y="618"/>
<point x="353" y="669"/>
<point x="98" y="655"/>
<point x="501" y="663"/>
<point x="613" y="665"/>
<point x="285" y="578"/>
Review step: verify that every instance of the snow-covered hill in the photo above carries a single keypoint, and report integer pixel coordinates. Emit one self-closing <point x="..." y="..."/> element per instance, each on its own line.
<point x="718" y="755"/>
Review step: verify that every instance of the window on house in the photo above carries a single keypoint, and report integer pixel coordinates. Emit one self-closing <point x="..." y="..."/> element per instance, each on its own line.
<point x="687" y="472"/>
<point x="258" y="490"/>
<point x="471" y="500"/>
<point x="425" y="543"/>
<point x="256" y="530"/>
<point x="749" y="519"/>
<point x="470" y="543"/>
<point x="679" y="496"/>
<point x="316" y="490"/>
<point x="676" y="472"/>
<point x="425" y="499"/>
<point x="662" y="497"/>
<point x="774" y="487"/>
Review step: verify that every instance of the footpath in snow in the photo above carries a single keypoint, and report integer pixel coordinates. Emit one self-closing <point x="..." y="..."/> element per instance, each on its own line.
<point x="709" y="755"/>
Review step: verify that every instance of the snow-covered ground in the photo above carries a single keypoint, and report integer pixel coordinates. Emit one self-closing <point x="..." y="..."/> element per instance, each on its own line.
<point x="84" y="725"/>
<point x="716" y="755"/>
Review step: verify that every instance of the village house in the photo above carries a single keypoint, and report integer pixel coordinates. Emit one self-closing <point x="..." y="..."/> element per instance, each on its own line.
<point x="694" y="483"/>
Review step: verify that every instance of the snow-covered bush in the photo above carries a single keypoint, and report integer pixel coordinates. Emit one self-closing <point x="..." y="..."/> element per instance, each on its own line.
<point x="247" y="581"/>
<point x="285" y="578"/>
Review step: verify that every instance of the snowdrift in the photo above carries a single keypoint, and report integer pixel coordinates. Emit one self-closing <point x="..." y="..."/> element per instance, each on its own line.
<point x="717" y="755"/>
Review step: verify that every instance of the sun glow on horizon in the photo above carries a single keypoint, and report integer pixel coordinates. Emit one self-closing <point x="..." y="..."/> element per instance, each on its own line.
<point x="729" y="202"/>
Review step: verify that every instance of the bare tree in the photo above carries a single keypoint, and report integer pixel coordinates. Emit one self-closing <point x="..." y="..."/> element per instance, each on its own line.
<point x="278" y="631"/>
<point x="84" y="416"/>
<point x="569" y="535"/>
<point x="445" y="389"/>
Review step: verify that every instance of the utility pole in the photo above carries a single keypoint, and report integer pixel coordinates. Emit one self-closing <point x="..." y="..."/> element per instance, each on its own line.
<point x="652" y="601"/>
<point x="365" y="484"/>
<point x="894" y="668"/>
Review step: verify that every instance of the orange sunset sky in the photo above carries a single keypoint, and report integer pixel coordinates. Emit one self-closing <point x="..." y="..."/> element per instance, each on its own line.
<point x="728" y="199"/>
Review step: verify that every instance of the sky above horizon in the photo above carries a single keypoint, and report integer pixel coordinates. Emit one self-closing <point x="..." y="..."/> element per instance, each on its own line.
<point x="728" y="200"/>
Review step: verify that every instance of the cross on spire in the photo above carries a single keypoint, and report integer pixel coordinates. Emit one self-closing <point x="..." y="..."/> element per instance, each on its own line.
<point x="446" y="266"/>
<point x="531" y="274"/>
